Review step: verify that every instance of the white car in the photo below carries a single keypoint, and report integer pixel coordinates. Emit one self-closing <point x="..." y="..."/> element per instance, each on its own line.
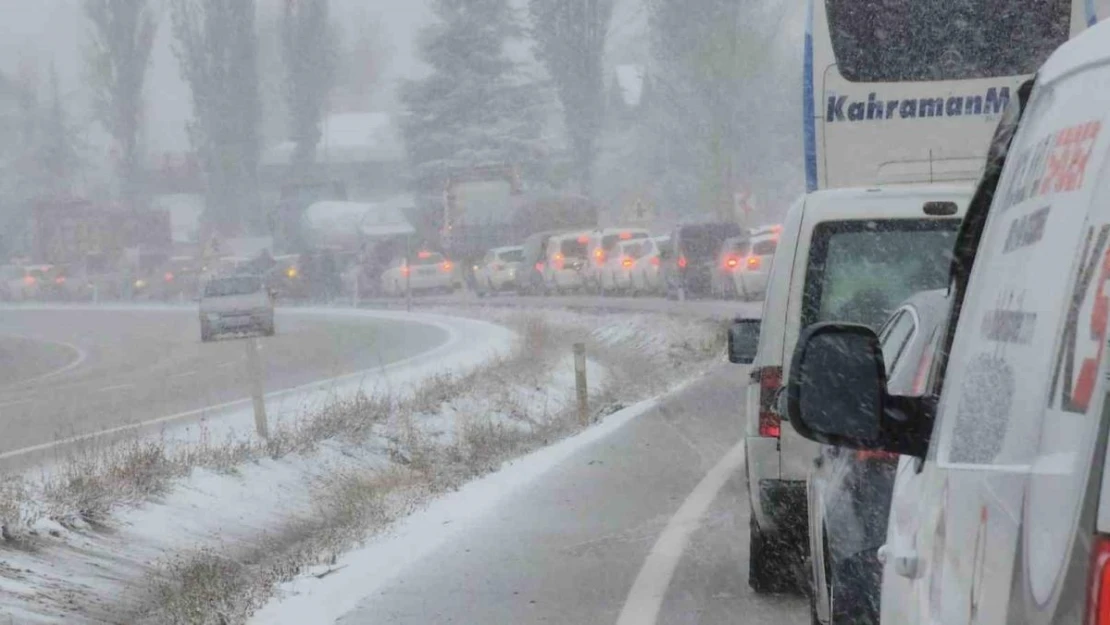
<point x="497" y="270"/>
<point x="1001" y="503"/>
<point x="18" y="283"/>
<point x="848" y="255"/>
<point x="647" y="274"/>
<point x="747" y="264"/>
<point x="428" y="271"/>
<point x="616" y="273"/>
<point x="601" y="246"/>
<point x="238" y="303"/>
<point x="565" y="262"/>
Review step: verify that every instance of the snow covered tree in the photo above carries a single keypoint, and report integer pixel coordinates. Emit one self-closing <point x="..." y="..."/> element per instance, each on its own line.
<point x="570" y="40"/>
<point x="475" y="108"/>
<point x="118" y="55"/>
<point x="216" y="46"/>
<point x="308" y="51"/>
<point x="715" y="63"/>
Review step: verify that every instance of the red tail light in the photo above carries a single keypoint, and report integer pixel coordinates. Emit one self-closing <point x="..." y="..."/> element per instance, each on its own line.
<point x="770" y="380"/>
<point x="169" y="276"/>
<point x="405" y="270"/>
<point x="732" y="262"/>
<point x="1098" y="590"/>
<point x="560" y="261"/>
<point x="655" y="261"/>
<point x="681" y="262"/>
<point x="599" y="256"/>
<point x="448" y="265"/>
<point x="626" y="262"/>
<point x="29" y="280"/>
<point x="754" y="262"/>
<point x="624" y="236"/>
<point x="60" y="280"/>
<point x="539" y="266"/>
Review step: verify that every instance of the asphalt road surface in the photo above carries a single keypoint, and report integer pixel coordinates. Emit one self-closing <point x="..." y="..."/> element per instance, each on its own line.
<point x="570" y="548"/>
<point x="64" y="373"/>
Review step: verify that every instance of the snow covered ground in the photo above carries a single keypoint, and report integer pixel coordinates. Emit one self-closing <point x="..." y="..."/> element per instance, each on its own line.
<point x="430" y="425"/>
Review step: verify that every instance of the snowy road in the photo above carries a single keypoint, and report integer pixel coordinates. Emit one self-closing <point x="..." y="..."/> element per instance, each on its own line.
<point x="606" y="528"/>
<point x="701" y="308"/>
<point x="86" y="370"/>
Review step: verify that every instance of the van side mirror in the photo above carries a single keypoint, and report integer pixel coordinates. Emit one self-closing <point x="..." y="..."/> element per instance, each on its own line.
<point x="837" y="394"/>
<point x="743" y="341"/>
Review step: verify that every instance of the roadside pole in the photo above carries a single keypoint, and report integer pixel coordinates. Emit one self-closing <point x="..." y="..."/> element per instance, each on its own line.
<point x="580" y="383"/>
<point x="254" y="369"/>
<point x="408" y="273"/>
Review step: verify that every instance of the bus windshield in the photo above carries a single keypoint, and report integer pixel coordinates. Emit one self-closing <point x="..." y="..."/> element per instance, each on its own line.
<point x="930" y="40"/>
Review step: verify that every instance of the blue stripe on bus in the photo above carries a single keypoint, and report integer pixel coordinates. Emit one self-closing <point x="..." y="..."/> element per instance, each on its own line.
<point x="1092" y="14"/>
<point x="809" y="123"/>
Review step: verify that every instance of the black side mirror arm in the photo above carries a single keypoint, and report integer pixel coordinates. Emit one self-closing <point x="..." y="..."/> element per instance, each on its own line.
<point x="908" y="424"/>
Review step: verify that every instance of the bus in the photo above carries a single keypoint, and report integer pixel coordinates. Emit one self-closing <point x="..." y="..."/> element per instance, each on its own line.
<point x="910" y="91"/>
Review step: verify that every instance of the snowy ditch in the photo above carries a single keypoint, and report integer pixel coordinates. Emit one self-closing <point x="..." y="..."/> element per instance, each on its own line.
<point x="207" y="523"/>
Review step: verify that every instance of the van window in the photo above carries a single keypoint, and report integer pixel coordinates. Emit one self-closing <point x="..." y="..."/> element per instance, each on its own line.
<point x="239" y="285"/>
<point x="859" y="271"/>
<point x="703" y="242"/>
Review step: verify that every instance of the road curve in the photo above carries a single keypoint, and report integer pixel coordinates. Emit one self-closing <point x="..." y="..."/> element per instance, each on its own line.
<point x="79" y="371"/>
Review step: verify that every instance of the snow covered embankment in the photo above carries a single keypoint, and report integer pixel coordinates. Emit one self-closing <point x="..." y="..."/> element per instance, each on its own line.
<point x="206" y="531"/>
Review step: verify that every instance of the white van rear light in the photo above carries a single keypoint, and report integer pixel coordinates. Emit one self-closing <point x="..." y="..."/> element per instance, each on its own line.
<point x="770" y="380"/>
<point x="1098" y="592"/>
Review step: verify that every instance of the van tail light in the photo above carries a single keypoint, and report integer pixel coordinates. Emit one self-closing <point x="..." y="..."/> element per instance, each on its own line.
<point x="626" y="262"/>
<point x="1098" y="589"/>
<point x="655" y="261"/>
<point x="732" y="262"/>
<point x="770" y="380"/>
<point x="754" y="262"/>
<point x="681" y="262"/>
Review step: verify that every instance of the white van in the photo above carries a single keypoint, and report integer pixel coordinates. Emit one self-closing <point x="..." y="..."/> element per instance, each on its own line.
<point x="1001" y="505"/>
<point x="849" y="255"/>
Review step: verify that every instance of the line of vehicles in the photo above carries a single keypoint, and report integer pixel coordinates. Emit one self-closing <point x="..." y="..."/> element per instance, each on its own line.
<point x="721" y="260"/>
<point x="927" y="416"/>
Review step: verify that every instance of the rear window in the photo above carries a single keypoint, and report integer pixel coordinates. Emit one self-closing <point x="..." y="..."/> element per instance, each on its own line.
<point x="737" y="247"/>
<point x="428" y="259"/>
<point x="512" y="256"/>
<point x="764" y="248"/>
<point x="859" y="271"/>
<point x="572" y="248"/>
<point x="609" y="240"/>
<point x="704" y="241"/>
<point x="222" y="287"/>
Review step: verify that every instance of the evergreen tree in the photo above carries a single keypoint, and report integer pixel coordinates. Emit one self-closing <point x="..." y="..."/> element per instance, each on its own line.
<point x="475" y="108"/>
<point x="309" y="56"/>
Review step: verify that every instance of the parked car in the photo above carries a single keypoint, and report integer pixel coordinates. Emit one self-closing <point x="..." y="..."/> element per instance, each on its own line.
<point x="689" y="272"/>
<point x="647" y="275"/>
<point x="602" y="245"/>
<point x="427" y="271"/>
<point x="497" y="270"/>
<point x="1000" y="500"/>
<point x="846" y="255"/>
<point x="616" y="273"/>
<point x="566" y="263"/>
<point x="533" y="263"/>
<point x="239" y="303"/>
<point x="849" y="491"/>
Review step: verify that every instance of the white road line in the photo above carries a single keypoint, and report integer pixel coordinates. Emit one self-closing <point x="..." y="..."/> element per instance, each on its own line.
<point x="116" y="387"/>
<point x="79" y="358"/>
<point x="644" y="600"/>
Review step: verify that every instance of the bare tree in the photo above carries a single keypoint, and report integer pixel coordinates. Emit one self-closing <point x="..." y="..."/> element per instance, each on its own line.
<point x="118" y="55"/>
<point x="217" y="50"/>
<point x="570" y="40"/>
<point x="308" y="50"/>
